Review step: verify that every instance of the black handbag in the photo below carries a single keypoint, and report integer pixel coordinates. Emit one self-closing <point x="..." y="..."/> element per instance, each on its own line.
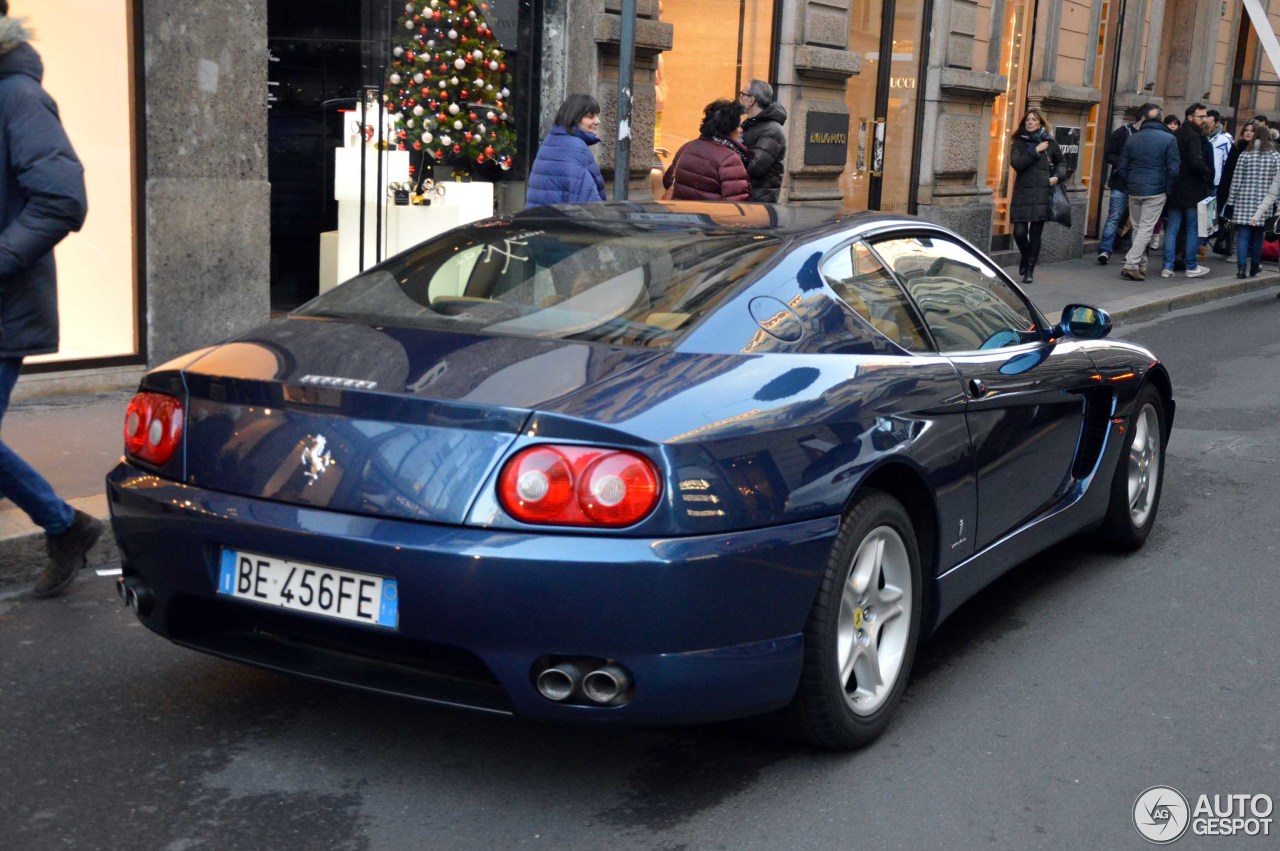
<point x="1059" y="206"/>
<point x="1222" y="242"/>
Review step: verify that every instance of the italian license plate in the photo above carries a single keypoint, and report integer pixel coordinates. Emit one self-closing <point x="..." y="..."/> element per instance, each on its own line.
<point x="342" y="594"/>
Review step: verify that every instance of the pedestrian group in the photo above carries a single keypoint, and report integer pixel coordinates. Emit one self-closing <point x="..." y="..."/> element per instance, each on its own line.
<point x="738" y="155"/>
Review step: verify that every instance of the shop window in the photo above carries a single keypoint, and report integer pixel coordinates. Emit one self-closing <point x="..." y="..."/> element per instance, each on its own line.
<point x="322" y="55"/>
<point x="718" y="48"/>
<point x="97" y="301"/>
<point x="1257" y="84"/>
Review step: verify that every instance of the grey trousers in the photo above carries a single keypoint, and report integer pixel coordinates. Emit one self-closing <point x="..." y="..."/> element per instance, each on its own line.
<point x="1144" y="212"/>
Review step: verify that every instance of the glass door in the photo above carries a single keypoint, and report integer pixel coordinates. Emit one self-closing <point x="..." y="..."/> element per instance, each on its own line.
<point x="902" y="100"/>
<point x="1015" y="59"/>
<point x="883" y="105"/>
<point x="860" y="98"/>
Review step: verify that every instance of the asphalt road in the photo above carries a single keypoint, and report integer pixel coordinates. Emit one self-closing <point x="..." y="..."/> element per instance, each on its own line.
<point x="1034" y="718"/>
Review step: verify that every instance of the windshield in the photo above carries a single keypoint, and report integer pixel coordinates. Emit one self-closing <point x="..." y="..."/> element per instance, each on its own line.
<point x="604" y="283"/>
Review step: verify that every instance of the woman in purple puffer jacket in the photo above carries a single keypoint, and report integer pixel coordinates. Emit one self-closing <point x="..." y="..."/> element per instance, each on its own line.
<point x="712" y="167"/>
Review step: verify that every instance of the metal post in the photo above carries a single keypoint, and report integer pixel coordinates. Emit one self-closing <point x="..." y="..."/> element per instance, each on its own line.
<point x="382" y="195"/>
<point x="626" y="79"/>
<point x="363" y="155"/>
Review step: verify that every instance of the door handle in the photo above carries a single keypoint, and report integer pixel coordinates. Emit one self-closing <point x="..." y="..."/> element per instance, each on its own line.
<point x="977" y="388"/>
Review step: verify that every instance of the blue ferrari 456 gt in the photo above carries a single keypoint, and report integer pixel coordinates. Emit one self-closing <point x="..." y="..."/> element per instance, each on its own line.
<point x="656" y="463"/>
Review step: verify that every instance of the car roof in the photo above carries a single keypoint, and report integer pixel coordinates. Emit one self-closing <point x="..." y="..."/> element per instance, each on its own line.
<point x="781" y="220"/>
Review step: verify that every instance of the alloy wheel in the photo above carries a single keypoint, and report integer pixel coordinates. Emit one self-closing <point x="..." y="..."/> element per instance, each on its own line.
<point x="875" y="620"/>
<point x="1144" y="465"/>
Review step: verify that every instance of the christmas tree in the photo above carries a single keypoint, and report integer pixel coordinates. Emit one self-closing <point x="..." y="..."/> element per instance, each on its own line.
<point x="448" y="85"/>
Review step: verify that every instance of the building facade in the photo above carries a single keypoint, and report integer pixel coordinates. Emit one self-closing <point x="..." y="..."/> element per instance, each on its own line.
<point x="207" y="133"/>
<point x="909" y="105"/>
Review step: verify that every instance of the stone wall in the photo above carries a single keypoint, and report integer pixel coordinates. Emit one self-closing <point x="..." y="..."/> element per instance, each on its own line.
<point x="207" y="196"/>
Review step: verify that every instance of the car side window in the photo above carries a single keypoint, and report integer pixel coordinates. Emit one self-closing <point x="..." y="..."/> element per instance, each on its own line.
<point x="863" y="283"/>
<point x="965" y="303"/>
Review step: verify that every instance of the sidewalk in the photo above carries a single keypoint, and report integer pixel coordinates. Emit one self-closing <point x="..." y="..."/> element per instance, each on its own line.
<point x="75" y="440"/>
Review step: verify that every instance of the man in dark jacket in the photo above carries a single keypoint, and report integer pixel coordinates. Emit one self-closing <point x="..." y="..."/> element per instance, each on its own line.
<point x="1194" y="184"/>
<point x="1148" y="165"/>
<point x="1119" y="200"/>
<point x="762" y="134"/>
<point x="42" y="199"/>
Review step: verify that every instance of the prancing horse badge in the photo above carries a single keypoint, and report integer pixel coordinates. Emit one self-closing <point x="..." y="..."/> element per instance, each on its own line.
<point x="316" y="459"/>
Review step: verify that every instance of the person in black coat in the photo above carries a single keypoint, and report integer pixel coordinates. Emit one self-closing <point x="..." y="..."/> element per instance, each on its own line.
<point x="762" y="134"/>
<point x="42" y="199"/>
<point x="1119" y="198"/>
<point x="1037" y="159"/>
<point x="1194" y="184"/>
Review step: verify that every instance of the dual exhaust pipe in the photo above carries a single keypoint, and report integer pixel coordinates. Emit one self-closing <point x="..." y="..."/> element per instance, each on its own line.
<point x="601" y="683"/>
<point x="134" y="594"/>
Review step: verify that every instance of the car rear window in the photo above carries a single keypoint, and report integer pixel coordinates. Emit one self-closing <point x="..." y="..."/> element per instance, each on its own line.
<point x="606" y="283"/>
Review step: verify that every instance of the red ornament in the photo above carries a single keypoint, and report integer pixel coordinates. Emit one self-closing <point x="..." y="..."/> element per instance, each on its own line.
<point x="488" y="152"/>
<point x="463" y="94"/>
<point x="426" y="93"/>
<point x="417" y="145"/>
<point x="444" y="69"/>
<point x="480" y="158"/>
<point x="439" y="155"/>
<point x="467" y="136"/>
<point x="413" y="169"/>
<point x="471" y="115"/>
<point x="502" y="66"/>
<point x="435" y="16"/>
<point x="453" y="4"/>
<point x="457" y="149"/>
<point x="408" y="55"/>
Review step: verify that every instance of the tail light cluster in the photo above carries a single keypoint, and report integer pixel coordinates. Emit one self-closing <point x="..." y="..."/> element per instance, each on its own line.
<point x="578" y="486"/>
<point x="153" y="427"/>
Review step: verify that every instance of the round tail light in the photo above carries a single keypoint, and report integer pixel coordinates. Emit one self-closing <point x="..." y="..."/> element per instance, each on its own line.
<point x="579" y="486"/>
<point x="153" y="427"/>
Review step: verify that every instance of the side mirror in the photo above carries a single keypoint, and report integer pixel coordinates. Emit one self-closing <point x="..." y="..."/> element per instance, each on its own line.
<point x="1084" y="322"/>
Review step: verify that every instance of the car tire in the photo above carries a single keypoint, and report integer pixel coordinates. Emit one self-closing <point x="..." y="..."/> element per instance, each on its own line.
<point x="862" y="631"/>
<point x="1139" y="475"/>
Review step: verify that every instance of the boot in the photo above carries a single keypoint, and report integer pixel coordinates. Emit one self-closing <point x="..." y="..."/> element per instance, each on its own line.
<point x="1028" y="276"/>
<point x="1254" y="270"/>
<point x="67" y="553"/>
<point x="1022" y="265"/>
<point x="1240" y="270"/>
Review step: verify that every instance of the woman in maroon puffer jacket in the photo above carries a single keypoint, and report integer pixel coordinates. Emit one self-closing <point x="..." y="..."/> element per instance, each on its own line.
<point x="712" y="167"/>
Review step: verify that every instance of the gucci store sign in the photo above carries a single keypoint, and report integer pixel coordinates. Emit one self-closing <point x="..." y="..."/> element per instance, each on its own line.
<point x="826" y="140"/>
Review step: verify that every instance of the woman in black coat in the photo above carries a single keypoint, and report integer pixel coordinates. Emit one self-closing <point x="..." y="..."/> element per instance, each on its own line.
<point x="1037" y="159"/>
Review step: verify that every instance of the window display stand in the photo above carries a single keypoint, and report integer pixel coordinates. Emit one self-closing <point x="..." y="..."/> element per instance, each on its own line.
<point x="380" y="220"/>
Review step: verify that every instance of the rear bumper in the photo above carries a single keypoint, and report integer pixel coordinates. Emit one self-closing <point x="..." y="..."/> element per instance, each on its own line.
<point x="709" y="627"/>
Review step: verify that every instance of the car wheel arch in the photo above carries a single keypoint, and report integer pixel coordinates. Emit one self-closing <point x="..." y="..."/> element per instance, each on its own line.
<point x="905" y="484"/>
<point x="1158" y="377"/>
